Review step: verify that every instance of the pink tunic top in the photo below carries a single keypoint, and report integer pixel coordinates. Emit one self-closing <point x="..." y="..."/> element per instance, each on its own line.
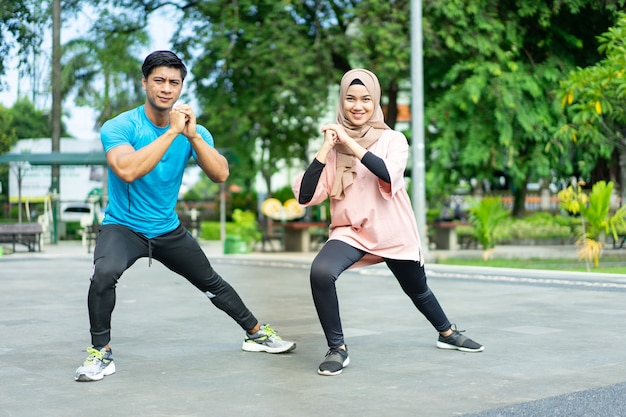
<point x="374" y="216"/>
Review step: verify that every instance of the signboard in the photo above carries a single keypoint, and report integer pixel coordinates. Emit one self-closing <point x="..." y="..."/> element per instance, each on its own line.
<point x="75" y="181"/>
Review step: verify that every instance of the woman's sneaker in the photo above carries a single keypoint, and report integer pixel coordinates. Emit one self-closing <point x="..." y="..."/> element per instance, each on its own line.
<point x="457" y="341"/>
<point x="98" y="364"/>
<point x="267" y="340"/>
<point x="336" y="359"/>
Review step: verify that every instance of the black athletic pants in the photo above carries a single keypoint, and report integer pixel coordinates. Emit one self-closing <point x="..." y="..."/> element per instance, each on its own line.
<point x="118" y="248"/>
<point x="337" y="256"/>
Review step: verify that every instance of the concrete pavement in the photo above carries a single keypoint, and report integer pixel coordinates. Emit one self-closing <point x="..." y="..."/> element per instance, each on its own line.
<point x="554" y="345"/>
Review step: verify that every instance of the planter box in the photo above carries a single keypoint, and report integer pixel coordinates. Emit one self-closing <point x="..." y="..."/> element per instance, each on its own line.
<point x="234" y="245"/>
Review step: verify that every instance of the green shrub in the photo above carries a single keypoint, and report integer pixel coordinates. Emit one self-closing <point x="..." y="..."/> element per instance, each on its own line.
<point x="540" y="225"/>
<point x="212" y="230"/>
<point x="485" y="215"/>
<point x="246" y="227"/>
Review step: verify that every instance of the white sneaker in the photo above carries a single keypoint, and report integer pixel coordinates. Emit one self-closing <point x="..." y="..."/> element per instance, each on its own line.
<point x="98" y="364"/>
<point x="266" y="340"/>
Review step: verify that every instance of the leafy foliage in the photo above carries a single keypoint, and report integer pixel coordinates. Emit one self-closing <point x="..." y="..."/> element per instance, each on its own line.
<point x="540" y="225"/>
<point x="262" y="72"/>
<point x="102" y="69"/>
<point x="594" y="100"/>
<point x="597" y="220"/>
<point x="494" y="69"/>
<point x="246" y="227"/>
<point x="8" y="136"/>
<point x="258" y="82"/>
<point x="485" y="215"/>
<point x="21" y="27"/>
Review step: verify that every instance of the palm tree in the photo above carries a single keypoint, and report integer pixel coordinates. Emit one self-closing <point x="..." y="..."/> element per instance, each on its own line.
<point x="102" y="70"/>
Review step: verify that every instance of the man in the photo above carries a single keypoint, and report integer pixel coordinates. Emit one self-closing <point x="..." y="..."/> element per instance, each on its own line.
<point x="147" y="149"/>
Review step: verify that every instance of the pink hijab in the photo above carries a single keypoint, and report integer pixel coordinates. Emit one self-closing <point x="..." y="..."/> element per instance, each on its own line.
<point x="365" y="135"/>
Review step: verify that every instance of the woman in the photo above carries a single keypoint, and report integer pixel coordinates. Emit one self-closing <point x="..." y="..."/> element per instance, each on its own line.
<point x="361" y="167"/>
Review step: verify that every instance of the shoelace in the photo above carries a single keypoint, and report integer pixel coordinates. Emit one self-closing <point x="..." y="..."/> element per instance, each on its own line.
<point x="94" y="356"/>
<point x="455" y="330"/>
<point x="269" y="332"/>
<point x="337" y="351"/>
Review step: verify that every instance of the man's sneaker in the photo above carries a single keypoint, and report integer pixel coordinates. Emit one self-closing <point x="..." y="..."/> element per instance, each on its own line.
<point x="98" y="364"/>
<point x="266" y="340"/>
<point x="336" y="359"/>
<point x="457" y="341"/>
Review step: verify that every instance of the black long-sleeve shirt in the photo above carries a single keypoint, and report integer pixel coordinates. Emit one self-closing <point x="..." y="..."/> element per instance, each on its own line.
<point x="312" y="174"/>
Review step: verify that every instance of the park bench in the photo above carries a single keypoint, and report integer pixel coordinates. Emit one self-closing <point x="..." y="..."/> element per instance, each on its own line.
<point x="27" y="234"/>
<point x="298" y="235"/>
<point x="446" y="236"/>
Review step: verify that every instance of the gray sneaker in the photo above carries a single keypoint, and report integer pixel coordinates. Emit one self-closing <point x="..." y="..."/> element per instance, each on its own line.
<point x="98" y="364"/>
<point x="335" y="360"/>
<point x="456" y="341"/>
<point x="266" y="340"/>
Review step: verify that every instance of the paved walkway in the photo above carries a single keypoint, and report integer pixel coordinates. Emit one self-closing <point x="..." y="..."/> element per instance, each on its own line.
<point x="554" y="344"/>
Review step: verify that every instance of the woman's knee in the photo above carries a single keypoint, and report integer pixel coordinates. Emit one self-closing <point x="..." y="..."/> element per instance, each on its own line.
<point x="321" y="274"/>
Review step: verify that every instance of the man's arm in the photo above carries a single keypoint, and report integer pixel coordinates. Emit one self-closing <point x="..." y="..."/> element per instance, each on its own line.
<point x="214" y="165"/>
<point x="130" y="164"/>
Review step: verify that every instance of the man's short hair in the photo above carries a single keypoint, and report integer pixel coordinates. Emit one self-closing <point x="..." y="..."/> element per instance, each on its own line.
<point x="163" y="59"/>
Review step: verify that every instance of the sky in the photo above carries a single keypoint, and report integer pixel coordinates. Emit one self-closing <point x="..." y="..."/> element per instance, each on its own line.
<point x="81" y="121"/>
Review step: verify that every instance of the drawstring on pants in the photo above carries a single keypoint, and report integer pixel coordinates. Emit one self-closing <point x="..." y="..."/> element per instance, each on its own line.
<point x="149" y="252"/>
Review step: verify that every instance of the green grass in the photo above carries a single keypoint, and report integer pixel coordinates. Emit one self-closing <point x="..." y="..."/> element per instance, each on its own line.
<point x="608" y="264"/>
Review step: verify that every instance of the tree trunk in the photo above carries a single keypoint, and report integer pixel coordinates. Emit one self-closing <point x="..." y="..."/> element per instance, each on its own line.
<point x="519" y="200"/>
<point x="392" y="105"/>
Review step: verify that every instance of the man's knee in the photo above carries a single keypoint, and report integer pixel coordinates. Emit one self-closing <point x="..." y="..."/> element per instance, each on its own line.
<point x="105" y="276"/>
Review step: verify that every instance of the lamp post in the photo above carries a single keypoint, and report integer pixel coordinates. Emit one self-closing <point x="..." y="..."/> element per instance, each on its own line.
<point x="418" y="173"/>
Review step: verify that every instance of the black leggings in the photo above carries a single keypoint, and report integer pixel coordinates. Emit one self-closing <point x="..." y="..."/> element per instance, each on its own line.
<point x="337" y="256"/>
<point x="118" y="248"/>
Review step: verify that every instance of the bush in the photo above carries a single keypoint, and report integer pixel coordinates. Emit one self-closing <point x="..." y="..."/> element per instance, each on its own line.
<point x="246" y="227"/>
<point x="538" y="226"/>
<point x="485" y="215"/>
<point x="212" y="230"/>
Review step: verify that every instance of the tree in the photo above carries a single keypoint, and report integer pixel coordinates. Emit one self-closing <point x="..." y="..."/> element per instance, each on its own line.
<point x="258" y="81"/>
<point x="22" y="121"/>
<point x="21" y="28"/>
<point x="380" y="41"/>
<point x="102" y="69"/>
<point x="29" y="122"/>
<point x="493" y="71"/>
<point x="594" y="98"/>
<point x="8" y="136"/>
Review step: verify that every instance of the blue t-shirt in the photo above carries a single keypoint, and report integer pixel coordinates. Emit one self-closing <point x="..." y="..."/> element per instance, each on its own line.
<point x="147" y="204"/>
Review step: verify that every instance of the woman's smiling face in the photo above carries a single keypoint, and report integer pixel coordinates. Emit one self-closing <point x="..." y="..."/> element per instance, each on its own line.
<point x="358" y="105"/>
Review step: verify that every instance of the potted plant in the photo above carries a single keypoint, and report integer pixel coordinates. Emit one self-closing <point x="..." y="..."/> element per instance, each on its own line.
<point x="245" y="233"/>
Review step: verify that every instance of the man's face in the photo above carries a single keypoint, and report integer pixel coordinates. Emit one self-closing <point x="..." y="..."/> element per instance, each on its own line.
<point x="163" y="87"/>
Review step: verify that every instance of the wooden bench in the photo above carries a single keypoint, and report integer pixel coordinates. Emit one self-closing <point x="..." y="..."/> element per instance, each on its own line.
<point x="27" y="234"/>
<point x="297" y="235"/>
